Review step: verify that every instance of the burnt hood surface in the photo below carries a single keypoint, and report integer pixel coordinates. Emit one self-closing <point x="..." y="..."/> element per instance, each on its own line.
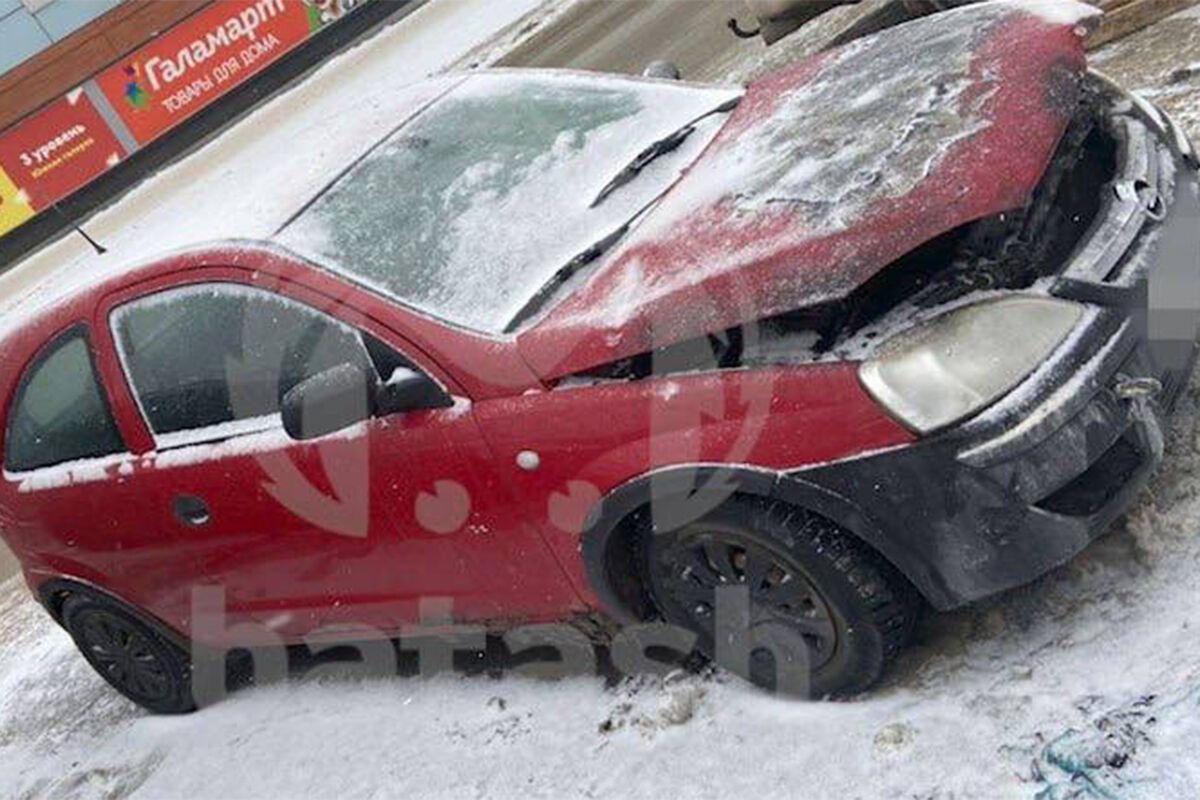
<point x="827" y="172"/>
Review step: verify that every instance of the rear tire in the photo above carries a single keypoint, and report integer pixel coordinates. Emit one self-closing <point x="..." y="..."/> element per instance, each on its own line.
<point x="812" y="585"/>
<point x="130" y="655"/>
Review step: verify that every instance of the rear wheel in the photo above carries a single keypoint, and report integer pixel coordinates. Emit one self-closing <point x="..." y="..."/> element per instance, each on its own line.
<point x="134" y="659"/>
<point x="817" y="595"/>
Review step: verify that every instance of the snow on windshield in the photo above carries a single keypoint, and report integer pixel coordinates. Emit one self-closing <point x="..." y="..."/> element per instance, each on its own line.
<point x="467" y="211"/>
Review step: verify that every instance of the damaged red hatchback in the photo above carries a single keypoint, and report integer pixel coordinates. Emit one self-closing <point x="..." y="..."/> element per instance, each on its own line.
<point x="902" y="320"/>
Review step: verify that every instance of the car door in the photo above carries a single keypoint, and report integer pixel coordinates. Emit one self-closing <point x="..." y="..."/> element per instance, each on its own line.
<point x="72" y="512"/>
<point x="305" y="534"/>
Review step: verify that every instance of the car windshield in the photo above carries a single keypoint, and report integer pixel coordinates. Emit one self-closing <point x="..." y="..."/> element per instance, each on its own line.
<point x="468" y="210"/>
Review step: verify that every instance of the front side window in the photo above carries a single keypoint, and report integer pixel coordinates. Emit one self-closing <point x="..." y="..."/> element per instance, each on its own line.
<point x="222" y="355"/>
<point x="60" y="413"/>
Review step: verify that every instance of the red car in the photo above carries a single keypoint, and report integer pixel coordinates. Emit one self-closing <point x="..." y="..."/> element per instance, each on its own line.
<point x="901" y="321"/>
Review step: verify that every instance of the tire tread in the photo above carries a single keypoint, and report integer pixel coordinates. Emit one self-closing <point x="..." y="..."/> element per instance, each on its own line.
<point x="891" y="601"/>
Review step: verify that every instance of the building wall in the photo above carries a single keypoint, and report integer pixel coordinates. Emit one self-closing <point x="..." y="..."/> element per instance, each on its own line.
<point x="50" y="46"/>
<point x="8" y="564"/>
<point x="28" y="27"/>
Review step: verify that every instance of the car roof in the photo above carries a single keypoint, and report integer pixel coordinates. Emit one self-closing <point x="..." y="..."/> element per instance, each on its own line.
<point x="72" y="297"/>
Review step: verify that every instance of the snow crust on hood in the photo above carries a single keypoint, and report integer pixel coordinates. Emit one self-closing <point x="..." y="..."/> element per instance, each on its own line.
<point x="1056" y="12"/>
<point x="828" y="171"/>
<point x="466" y="211"/>
<point x="869" y="127"/>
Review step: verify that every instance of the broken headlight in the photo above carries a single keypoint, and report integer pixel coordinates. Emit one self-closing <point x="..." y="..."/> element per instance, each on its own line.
<point x="960" y="362"/>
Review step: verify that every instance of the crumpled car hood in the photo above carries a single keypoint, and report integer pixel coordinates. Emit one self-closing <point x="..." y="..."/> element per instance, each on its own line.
<point x="829" y="171"/>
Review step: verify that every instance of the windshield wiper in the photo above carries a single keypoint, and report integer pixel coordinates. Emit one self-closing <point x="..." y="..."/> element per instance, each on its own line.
<point x="599" y="248"/>
<point x="642" y="160"/>
<point x="655" y="150"/>
<point x="565" y="273"/>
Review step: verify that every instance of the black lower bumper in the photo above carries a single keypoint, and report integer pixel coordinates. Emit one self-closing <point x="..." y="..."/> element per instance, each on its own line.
<point x="997" y="501"/>
<point x="963" y="524"/>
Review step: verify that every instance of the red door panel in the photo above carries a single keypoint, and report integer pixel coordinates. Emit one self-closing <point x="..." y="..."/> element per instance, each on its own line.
<point x="591" y="439"/>
<point x="353" y="528"/>
<point x="457" y="529"/>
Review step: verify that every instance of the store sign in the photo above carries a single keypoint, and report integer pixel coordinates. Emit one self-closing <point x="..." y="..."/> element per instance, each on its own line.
<point x="14" y="204"/>
<point x="50" y="154"/>
<point x="59" y="148"/>
<point x="157" y="87"/>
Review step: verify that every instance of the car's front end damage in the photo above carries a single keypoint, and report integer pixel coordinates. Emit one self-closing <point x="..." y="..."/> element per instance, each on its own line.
<point x="1015" y="277"/>
<point x="1110" y="249"/>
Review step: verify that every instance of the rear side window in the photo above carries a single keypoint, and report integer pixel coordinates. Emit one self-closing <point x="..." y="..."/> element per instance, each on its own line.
<point x="222" y="355"/>
<point x="60" y="413"/>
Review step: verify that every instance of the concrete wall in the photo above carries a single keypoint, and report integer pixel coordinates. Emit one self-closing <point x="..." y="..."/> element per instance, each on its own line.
<point x="8" y="564"/>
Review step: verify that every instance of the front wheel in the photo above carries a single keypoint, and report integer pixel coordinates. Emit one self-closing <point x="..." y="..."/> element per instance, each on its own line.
<point x="816" y="594"/>
<point x="130" y="655"/>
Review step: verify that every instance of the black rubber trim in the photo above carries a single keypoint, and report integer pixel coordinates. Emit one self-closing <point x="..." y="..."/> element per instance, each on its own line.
<point x="53" y="593"/>
<point x="605" y="522"/>
<point x="607" y="516"/>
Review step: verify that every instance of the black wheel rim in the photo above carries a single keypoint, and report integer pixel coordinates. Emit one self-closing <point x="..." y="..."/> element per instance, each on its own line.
<point x="124" y="656"/>
<point x="689" y="567"/>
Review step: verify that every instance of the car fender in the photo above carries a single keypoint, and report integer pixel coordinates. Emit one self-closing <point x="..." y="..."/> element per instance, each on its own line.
<point x="699" y="487"/>
<point x="48" y="590"/>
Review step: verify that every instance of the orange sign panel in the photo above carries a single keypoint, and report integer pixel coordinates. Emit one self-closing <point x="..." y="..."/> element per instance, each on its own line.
<point x="54" y="151"/>
<point x="14" y="204"/>
<point x="200" y="59"/>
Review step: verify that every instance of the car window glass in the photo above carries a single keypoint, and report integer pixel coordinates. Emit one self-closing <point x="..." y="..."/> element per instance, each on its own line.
<point x="469" y="209"/>
<point x="60" y="413"/>
<point x="214" y="354"/>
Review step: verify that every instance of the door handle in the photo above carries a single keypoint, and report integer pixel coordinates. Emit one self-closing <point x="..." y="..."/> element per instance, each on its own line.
<point x="191" y="510"/>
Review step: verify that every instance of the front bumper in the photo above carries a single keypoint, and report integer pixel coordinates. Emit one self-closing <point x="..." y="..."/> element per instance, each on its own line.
<point x="1001" y="499"/>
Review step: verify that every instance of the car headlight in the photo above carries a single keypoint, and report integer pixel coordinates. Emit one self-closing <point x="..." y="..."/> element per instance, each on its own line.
<point x="960" y="362"/>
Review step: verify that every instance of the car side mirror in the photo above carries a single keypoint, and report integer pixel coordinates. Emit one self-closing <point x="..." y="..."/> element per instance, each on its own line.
<point x="328" y="401"/>
<point x="408" y="390"/>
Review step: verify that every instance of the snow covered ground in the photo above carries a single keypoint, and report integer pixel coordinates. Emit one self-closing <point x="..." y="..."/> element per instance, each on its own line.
<point x="1085" y="684"/>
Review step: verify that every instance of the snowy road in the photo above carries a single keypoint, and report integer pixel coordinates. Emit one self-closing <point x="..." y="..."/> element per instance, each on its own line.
<point x="626" y="35"/>
<point x="8" y="564"/>
<point x="1085" y="684"/>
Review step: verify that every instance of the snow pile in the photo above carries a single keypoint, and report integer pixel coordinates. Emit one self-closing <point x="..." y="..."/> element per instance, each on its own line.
<point x="1090" y="761"/>
<point x="1056" y="12"/>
